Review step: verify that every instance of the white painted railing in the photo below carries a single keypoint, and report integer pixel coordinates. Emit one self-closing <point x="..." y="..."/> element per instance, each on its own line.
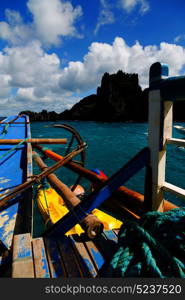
<point x="161" y="96"/>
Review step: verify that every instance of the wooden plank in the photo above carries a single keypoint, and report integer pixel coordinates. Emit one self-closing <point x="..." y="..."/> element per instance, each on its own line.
<point x="69" y="258"/>
<point x="110" y="235"/>
<point x="84" y="258"/>
<point x="95" y="254"/>
<point x="40" y="259"/>
<point x="116" y="231"/>
<point x="160" y="128"/>
<point x="178" y="142"/>
<point x="22" y="266"/>
<point x="105" y="245"/>
<point x="168" y="187"/>
<point x="55" y="262"/>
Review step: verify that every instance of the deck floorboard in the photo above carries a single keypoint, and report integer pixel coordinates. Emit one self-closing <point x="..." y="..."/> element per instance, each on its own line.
<point x="67" y="257"/>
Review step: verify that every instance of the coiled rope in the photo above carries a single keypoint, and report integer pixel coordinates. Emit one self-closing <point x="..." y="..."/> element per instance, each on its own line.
<point x="152" y="247"/>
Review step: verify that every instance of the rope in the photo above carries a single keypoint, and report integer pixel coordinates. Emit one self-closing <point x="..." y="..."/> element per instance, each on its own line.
<point x="152" y="247"/>
<point x="45" y="186"/>
<point x="5" y="130"/>
<point x="13" y="148"/>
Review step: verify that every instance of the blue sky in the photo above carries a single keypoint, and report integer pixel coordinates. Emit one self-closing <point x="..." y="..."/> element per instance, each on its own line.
<point x="54" y="52"/>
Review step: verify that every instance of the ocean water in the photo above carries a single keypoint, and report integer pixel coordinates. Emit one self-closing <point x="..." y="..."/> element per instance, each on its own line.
<point x="110" y="146"/>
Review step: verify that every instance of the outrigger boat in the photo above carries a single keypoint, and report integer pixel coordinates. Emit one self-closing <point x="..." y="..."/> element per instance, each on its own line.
<point x="110" y="232"/>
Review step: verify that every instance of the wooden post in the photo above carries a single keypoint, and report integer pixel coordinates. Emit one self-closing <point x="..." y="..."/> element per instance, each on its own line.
<point x="160" y="129"/>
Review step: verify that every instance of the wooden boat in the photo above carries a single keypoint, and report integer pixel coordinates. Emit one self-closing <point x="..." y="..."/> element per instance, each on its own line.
<point x="80" y="240"/>
<point x="15" y="168"/>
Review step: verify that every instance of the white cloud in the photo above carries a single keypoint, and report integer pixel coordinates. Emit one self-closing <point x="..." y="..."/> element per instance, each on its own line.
<point x="30" y="78"/>
<point x="52" y="20"/>
<point x="106" y="16"/>
<point x="31" y="65"/>
<point x="129" y="5"/>
<point x="102" y="57"/>
<point x="5" y="87"/>
<point x="14" y="30"/>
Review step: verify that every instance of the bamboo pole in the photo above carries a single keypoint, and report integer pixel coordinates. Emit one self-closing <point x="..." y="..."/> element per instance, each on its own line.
<point x="131" y="199"/>
<point x="91" y="176"/>
<point x="24" y="186"/>
<point x="33" y="141"/>
<point x="91" y="224"/>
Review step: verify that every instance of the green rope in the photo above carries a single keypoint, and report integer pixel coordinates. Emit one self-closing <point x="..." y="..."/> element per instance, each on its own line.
<point x="45" y="186"/>
<point x="152" y="247"/>
<point x="5" y="130"/>
<point x="13" y="148"/>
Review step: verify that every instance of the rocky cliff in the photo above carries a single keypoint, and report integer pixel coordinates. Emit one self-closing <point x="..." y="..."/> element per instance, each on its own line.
<point x="119" y="98"/>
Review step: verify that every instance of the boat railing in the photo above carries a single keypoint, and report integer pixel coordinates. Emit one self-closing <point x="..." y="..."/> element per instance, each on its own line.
<point x="163" y="91"/>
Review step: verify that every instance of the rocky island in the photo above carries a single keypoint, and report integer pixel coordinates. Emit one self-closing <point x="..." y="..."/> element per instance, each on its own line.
<point x="118" y="99"/>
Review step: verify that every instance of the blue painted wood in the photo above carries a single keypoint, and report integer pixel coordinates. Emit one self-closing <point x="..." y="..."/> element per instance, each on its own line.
<point x="54" y="259"/>
<point x="69" y="257"/>
<point x="110" y="235"/>
<point x="171" y="88"/>
<point x="13" y="171"/>
<point x="40" y="259"/>
<point x="99" y="196"/>
<point x="83" y="257"/>
<point x="95" y="254"/>
<point x="158" y="71"/>
<point x="22" y="266"/>
<point x="106" y="243"/>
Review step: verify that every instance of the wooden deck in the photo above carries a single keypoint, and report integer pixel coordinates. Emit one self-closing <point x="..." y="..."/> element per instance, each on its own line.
<point x="71" y="256"/>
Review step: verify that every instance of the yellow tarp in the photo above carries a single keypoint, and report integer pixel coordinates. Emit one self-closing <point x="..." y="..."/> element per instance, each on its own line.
<point x="52" y="208"/>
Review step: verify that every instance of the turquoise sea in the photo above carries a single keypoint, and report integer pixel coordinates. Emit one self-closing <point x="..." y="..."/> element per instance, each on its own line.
<point x="110" y="146"/>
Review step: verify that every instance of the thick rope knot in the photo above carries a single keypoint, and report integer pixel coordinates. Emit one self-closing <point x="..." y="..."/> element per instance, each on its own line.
<point x="152" y="247"/>
<point x="5" y="130"/>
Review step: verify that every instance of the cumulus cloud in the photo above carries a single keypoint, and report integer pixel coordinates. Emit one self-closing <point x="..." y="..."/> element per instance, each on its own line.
<point x="106" y="16"/>
<point x="30" y="65"/>
<point x="52" y="20"/>
<point x="30" y="78"/>
<point x="102" y="57"/>
<point x="129" y="5"/>
<point x="15" y="31"/>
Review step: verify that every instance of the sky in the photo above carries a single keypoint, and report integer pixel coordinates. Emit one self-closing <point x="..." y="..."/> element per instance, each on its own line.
<point x="54" y="52"/>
